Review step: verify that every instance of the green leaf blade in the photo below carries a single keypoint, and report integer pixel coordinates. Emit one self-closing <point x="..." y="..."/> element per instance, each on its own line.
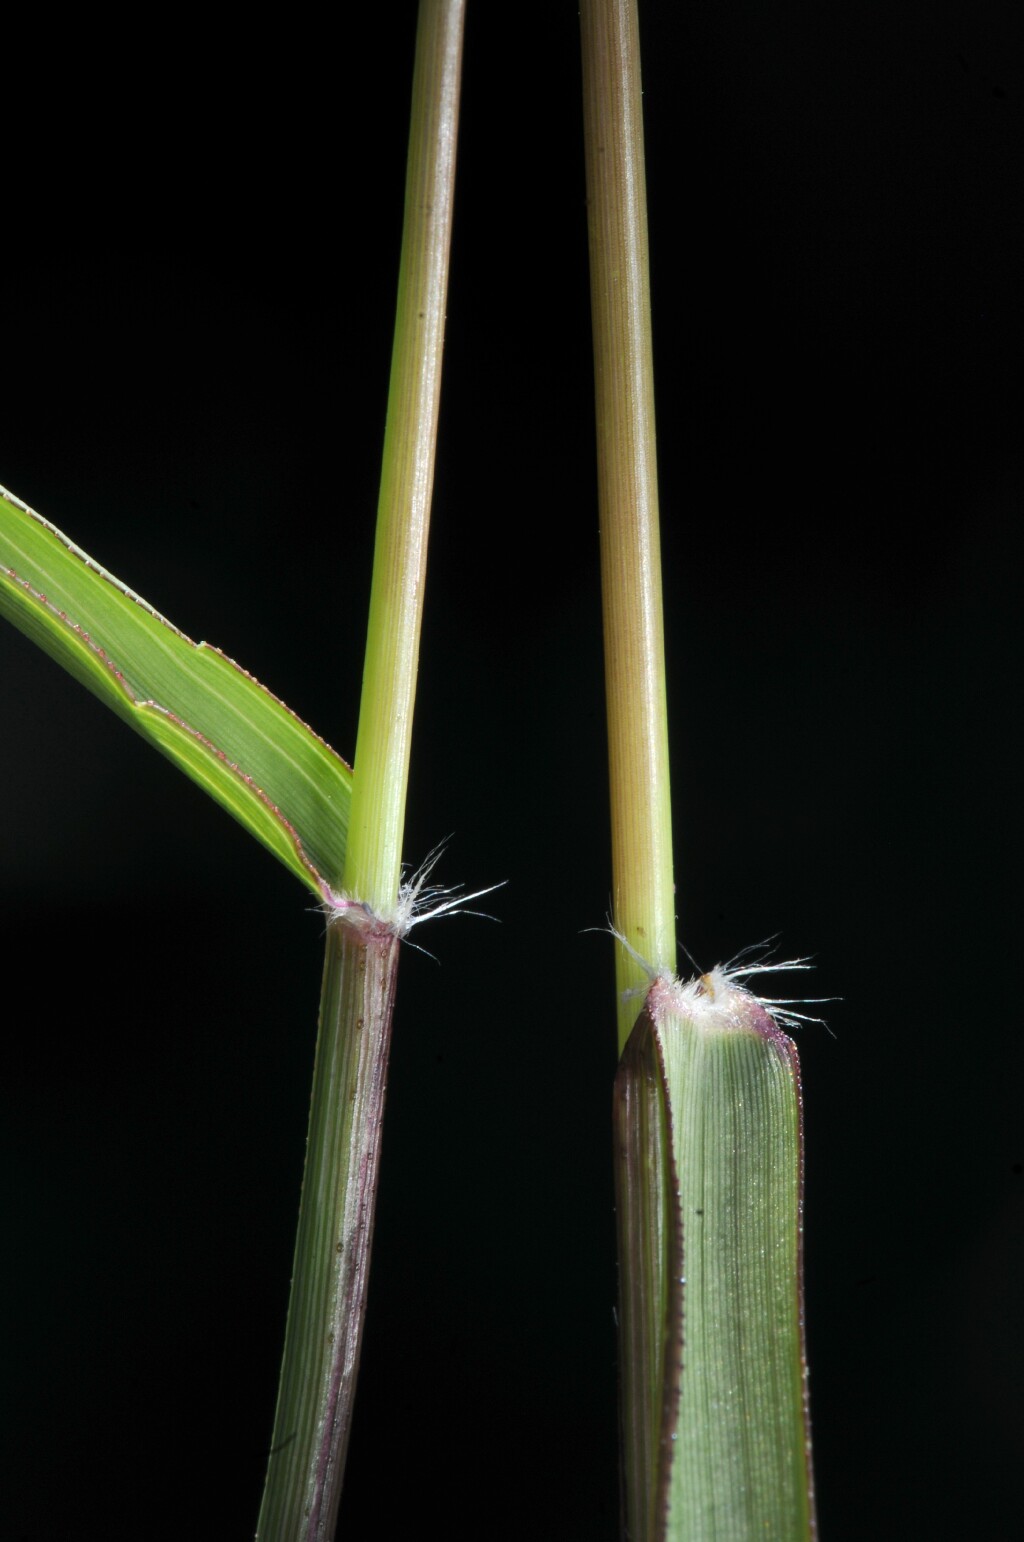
<point x="219" y="725"/>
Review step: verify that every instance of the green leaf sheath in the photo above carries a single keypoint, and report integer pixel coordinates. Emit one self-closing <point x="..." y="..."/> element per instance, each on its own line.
<point x="219" y="725"/>
<point x="714" y="1389"/>
<point x="332" y="1249"/>
<point x="650" y="1300"/>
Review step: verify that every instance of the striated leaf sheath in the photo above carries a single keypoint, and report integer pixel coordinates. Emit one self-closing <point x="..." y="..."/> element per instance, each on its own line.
<point x="714" y="1390"/>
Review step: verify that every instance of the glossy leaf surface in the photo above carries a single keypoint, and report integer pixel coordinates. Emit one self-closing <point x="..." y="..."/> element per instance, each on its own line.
<point x="219" y="725"/>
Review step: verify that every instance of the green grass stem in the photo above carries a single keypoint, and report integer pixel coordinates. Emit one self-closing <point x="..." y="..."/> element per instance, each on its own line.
<point x="642" y="879"/>
<point x="332" y="1253"/>
<point x="381" y="772"/>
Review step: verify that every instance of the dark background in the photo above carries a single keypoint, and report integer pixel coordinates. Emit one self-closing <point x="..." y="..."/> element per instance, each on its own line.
<point x="198" y="269"/>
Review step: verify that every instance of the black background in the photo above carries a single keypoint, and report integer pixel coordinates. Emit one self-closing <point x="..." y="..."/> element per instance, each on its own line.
<point x="199" y="255"/>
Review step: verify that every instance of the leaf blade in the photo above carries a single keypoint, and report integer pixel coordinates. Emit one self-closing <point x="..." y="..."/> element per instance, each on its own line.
<point x="227" y="732"/>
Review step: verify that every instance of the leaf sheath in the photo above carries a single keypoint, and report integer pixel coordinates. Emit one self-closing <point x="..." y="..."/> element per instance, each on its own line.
<point x="650" y="1301"/>
<point x="332" y="1250"/>
<point x="716" y="1434"/>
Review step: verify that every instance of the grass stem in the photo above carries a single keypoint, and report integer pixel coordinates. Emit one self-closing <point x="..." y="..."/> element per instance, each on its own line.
<point x="374" y="854"/>
<point x="643" y="889"/>
<point x="332" y="1252"/>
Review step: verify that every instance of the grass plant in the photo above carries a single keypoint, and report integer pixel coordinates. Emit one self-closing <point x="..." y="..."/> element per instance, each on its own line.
<point x="707" y="1099"/>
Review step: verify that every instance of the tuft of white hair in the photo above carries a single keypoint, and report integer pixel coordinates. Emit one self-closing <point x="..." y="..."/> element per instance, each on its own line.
<point x="722" y="992"/>
<point x="418" y="901"/>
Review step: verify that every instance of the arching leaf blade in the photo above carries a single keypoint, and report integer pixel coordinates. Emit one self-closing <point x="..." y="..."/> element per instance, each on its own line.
<point x="219" y="725"/>
<point x="208" y="768"/>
